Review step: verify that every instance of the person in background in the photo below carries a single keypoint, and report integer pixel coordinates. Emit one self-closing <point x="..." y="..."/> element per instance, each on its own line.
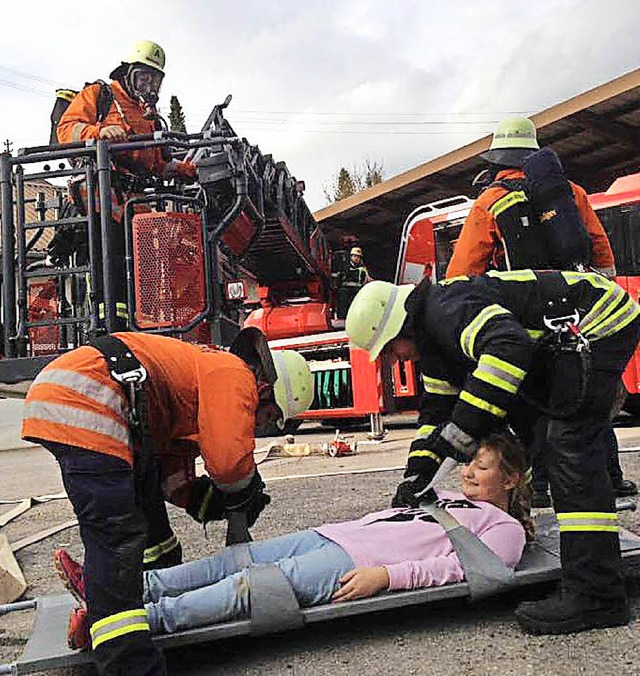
<point x="350" y="281"/>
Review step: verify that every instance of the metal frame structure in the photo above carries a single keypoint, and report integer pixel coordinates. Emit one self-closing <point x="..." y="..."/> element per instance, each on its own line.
<point x="254" y="222"/>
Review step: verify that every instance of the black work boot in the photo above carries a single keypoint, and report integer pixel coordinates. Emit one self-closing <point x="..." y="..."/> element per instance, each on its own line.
<point x="566" y="612"/>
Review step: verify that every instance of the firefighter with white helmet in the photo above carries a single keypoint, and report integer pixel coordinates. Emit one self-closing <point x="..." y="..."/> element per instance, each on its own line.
<point x="478" y="343"/>
<point x="125" y="418"/>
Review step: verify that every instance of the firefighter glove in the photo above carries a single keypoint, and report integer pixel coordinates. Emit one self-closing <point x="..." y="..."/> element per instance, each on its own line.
<point x="207" y="501"/>
<point x="412" y="491"/>
<point x="251" y="500"/>
<point x="446" y="441"/>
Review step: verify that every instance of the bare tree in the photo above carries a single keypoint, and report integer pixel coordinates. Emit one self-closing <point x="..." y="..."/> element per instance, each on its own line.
<point x="348" y="182"/>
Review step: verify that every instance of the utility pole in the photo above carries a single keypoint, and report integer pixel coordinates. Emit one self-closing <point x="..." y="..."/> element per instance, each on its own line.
<point x="8" y="146"/>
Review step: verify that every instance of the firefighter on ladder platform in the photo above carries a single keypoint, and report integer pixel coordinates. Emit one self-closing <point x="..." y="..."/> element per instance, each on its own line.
<point x="125" y="419"/>
<point x="113" y="112"/>
<point x="502" y="230"/>
<point x="560" y="339"/>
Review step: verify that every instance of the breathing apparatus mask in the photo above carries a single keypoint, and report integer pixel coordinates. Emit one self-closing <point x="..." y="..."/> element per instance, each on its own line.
<point x="144" y="83"/>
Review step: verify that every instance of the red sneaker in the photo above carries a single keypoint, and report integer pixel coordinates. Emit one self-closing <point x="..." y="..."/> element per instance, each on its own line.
<point x="78" y="629"/>
<point x="71" y="573"/>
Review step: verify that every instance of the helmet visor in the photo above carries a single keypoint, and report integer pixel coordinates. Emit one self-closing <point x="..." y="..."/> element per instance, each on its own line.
<point x="146" y="82"/>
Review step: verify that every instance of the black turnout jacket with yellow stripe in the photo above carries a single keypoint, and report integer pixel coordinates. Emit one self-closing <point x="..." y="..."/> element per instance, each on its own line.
<point x="477" y="337"/>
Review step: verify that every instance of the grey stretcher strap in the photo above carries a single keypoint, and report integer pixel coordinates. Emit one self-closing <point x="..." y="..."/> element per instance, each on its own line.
<point x="274" y="606"/>
<point x="242" y="555"/>
<point x="485" y="572"/>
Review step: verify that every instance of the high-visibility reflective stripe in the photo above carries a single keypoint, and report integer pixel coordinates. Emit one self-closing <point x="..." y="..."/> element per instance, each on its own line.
<point x="605" y="305"/>
<point x="617" y="321"/>
<point x="204" y="506"/>
<point x="513" y="275"/>
<point x="75" y="417"/>
<point x="84" y="385"/>
<point x="382" y="325"/>
<point x="506" y="202"/>
<point x="424" y="431"/>
<point x="154" y="553"/>
<point x="117" y="625"/>
<point x="470" y="333"/>
<point x="425" y="454"/>
<point x="597" y="522"/>
<point x="121" y="310"/>
<point x="536" y="334"/>
<point x="283" y="372"/>
<point x="77" y="130"/>
<point x="499" y="373"/>
<point x="565" y="528"/>
<point x="459" y="439"/>
<point x="437" y="386"/>
<point x="593" y="278"/>
<point x="482" y="404"/>
<point x="235" y="485"/>
<point x="451" y="280"/>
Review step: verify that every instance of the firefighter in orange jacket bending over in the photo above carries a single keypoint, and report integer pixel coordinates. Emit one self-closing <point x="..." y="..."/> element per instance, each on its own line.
<point x="135" y="411"/>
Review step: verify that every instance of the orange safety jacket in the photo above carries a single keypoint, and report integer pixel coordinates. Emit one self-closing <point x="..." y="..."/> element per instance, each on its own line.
<point x="79" y="123"/>
<point x="195" y="394"/>
<point x="479" y="243"/>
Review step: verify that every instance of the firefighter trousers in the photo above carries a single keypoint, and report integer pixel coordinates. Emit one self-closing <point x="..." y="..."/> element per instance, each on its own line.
<point x="575" y="452"/>
<point x="113" y="528"/>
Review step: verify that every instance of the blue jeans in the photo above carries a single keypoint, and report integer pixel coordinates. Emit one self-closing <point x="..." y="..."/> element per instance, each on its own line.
<point x="215" y="589"/>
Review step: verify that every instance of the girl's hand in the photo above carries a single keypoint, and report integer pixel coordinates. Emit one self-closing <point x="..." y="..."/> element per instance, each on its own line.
<point x="361" y="583"/>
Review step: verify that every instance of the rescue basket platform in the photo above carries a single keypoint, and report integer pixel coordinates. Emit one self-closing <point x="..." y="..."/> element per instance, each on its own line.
<point x="273" y="609"/>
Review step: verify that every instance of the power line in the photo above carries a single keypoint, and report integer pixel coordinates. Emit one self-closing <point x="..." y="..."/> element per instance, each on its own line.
<point x="30" y="76"/>
<point x="365" y="114"/>
<point x="31" y="90"/>
<point x="366" y="124"/>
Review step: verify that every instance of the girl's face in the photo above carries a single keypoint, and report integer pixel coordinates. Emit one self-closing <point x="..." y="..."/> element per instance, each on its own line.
<point x="483" y="479"/>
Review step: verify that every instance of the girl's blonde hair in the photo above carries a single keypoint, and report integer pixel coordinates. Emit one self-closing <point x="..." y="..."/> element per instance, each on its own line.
<point x="513" y="460"/>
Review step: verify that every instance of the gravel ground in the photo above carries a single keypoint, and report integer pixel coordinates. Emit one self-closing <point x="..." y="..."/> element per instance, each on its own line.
<point x="450" y="638"/>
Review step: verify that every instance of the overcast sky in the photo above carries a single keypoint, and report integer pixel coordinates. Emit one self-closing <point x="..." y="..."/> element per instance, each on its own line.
<point x="325" y="83"/>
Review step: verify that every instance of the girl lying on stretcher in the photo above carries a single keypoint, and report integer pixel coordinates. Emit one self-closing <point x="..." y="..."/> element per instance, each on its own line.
<point x="401" y="548"/>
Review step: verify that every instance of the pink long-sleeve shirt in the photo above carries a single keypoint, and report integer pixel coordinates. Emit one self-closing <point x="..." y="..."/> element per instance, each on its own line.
<point x="415" y="549"/>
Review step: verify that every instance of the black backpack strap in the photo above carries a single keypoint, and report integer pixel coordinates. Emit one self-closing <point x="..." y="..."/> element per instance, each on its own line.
<point x="125" y="368"/>
<point x="508" y="184"/>
<point x="105" y="100"/>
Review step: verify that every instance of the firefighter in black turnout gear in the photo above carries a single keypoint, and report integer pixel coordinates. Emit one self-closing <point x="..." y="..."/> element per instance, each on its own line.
<point x="510" y="347"/>
<point x="350" y="281"/>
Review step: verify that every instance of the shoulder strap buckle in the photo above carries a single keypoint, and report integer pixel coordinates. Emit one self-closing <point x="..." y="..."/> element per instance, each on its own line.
<point x="134" y="376"/>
